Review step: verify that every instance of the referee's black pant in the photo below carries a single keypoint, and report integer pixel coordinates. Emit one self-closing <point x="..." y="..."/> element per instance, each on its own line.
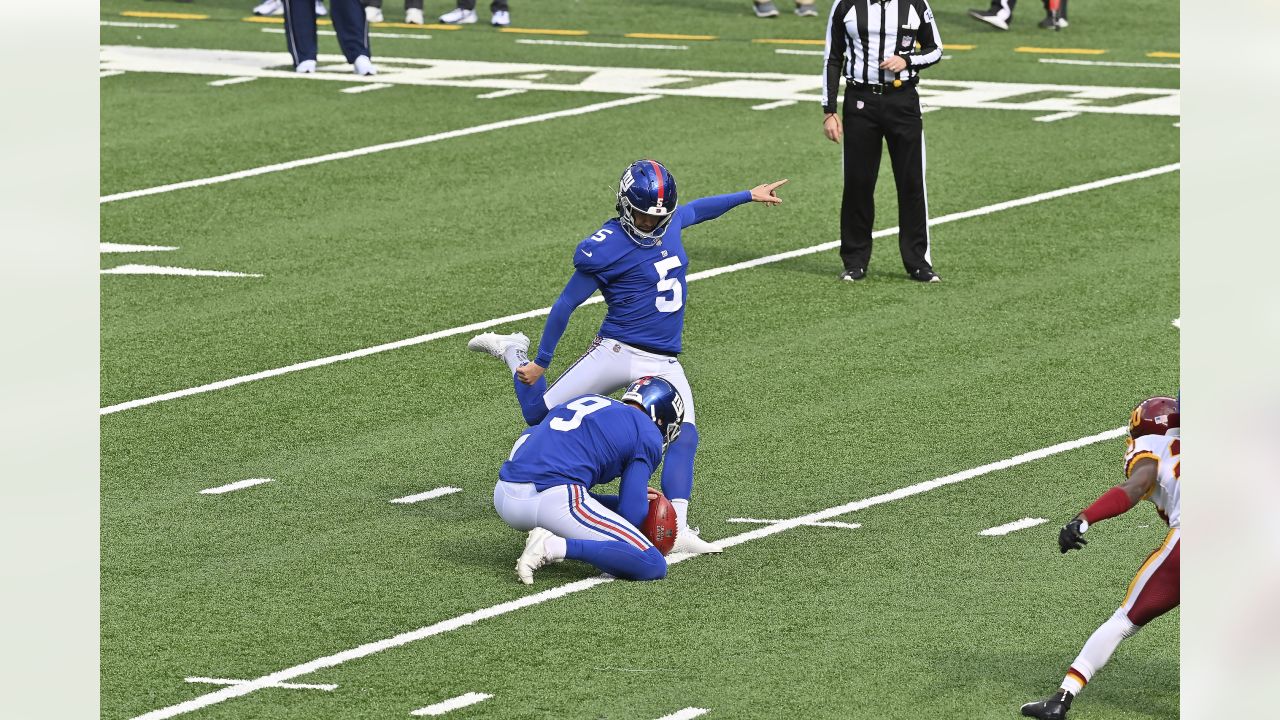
<point x="870" y="120"/>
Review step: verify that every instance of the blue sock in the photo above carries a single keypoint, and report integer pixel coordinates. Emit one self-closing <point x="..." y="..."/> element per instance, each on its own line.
<point x="619" y="559"/>
<point x="530" y="396"/>
<point x="677" y="468"/>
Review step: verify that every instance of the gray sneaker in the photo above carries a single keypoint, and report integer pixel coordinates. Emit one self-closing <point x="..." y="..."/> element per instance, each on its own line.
<point x="807" y="9"/>
<point x="766" y="9"/>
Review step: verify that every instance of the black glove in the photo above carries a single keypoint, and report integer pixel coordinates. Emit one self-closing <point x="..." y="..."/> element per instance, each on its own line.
<point x="1071" y="536"/>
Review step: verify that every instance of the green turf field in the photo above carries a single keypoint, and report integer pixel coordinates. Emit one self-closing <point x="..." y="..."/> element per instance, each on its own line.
<point x="1053" y="319"/>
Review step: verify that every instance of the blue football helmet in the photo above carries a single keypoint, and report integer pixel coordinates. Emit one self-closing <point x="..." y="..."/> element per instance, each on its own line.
<point x="660" y="399"/>
<point x="646" y="187"/>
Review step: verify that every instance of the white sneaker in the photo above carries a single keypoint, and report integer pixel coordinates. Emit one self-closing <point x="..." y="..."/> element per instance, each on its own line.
<point x="364" y="66"/>
<point x="320" y="9"/>
<point x="458" y="16"/>
<point x="501" y="18"/>
<point x="687" y="541"/>
<point x="412" y="16"/>
<point x="372" y="14"/>
<point x="269" y="7"/>
<point x="534" y="555"/>
<point x="497" y="345"/>
<point x="306" y="66"/>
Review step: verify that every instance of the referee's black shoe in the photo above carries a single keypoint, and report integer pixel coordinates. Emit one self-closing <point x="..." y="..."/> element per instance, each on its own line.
<point x="1048" y="24"/>
<point x="854" y="274"/>
<point x="924" y="276"/>
<point x="1052" y="708"/>
<point x="990" y="17"/>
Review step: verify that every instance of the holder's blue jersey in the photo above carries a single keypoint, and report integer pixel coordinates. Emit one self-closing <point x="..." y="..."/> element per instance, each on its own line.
<point x="587" y="441"/>
<point x="644" y="288"/>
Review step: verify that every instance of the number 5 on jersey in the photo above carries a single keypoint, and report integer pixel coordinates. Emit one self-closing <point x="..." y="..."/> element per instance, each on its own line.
<point x="671" y="285"/>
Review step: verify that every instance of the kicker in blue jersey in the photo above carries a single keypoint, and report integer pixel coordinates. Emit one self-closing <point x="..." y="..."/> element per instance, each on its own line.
<point x="637" y="261"/>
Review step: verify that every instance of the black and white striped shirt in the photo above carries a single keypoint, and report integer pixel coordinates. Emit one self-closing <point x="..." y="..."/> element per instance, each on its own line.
<point x="864" y="33"/>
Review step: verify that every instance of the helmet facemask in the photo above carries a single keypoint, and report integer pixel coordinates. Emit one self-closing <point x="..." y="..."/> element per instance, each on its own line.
<point x="627" y="216"/>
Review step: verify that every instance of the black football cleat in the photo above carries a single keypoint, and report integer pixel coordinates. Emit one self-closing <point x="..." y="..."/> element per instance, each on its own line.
<point x="854" y="274"/>
<point x="924" y="276"/>
<point x="1052" y="708"/>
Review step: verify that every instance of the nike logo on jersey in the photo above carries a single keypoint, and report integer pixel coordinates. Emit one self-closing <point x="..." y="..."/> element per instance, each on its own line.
<point x="584" y="252"/>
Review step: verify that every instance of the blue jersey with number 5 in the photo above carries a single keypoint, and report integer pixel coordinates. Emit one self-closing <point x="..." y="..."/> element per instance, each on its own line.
<point x="587" y="441"/>
<point x="645" y="288"/>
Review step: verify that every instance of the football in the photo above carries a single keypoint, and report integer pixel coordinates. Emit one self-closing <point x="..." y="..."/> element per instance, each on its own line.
<point x="660" y="524"/>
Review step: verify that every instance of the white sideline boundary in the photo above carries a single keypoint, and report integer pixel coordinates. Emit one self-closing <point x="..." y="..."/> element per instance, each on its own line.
<point x="701" y="275"/>
<point x="471" y="618"/>
<point x="371" y="149"/>
<point x="442" y="708"/>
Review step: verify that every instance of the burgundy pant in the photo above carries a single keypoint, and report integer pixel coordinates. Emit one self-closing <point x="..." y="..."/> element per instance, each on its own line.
<point x="1154" y="590"/>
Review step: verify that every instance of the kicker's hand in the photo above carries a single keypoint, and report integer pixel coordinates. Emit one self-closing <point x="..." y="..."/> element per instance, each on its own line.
<point x="1071" y="536"/>
<point x="767" y="193"/>
<point x="530" y="372"/>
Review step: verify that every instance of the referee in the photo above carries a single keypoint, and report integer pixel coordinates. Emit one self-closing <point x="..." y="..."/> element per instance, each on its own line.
<point x="872" y="45"/>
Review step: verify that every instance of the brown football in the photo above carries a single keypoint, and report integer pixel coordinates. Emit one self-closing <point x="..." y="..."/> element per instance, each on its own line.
<point x="660" y="524"/>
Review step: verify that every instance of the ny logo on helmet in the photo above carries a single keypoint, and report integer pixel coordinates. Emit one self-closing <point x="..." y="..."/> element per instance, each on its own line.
<point x="627" y="180"/>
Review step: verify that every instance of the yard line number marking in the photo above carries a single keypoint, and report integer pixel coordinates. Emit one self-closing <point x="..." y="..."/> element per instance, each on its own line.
<point x="451" y="704"/>
<point x="1014" y="526"/>
<point x="540" y="312"/>
<point x="471" y="618"/>
<point x="1056" y="117"/>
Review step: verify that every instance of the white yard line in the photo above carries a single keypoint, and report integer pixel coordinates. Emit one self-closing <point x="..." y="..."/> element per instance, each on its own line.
<point x="438" y="492"/>
<point x="686" y="714"/>
<point x="231" y="81"/>
<point x="500" y="94"/>
<point x="383" y="147"/>
<point x="365" y="88"/>
<point x="538" y="598"/>
<point x="826" y="524"/>
<point x="1055" y="117"/>
<point x="775" y="104"/>
<point x="788" y="51"/>
<point x="1103" y="63"/>
<point x="327" y="687"/>
<point x="151" y="26"/>
<point x="1014" y="526"/>
<point x="452" y="704"/>
<point x="1177" y="322"/>
<point x="237" y="485"/>
<point x="394" y="36"/>
<point x="486" y="324"/>
<point x="107" y="247"/>
<point x="622" y="46"/>
<point x="165" y="270"/>
<point x="110" y="73"/>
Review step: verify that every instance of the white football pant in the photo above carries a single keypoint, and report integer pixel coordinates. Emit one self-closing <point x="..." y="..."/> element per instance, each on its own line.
<point x="566" y="510"/>
<point x="610" y="365"/>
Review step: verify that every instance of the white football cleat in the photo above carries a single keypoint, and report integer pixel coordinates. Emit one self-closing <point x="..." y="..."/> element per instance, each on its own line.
<point x="306" y="66"/>
<point x="269" y="7"/>
<point x="373" y="14"/>
<point x="458" y="16"/>
<point x="501" y="18"/>
<point x="534" y="555"/>
<point x="412" y="16"/>
<point x="687" y="541"/>
<point x="321" y="11"/>
<point x="364" y="66"/>
<point x="497" y="345"/>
